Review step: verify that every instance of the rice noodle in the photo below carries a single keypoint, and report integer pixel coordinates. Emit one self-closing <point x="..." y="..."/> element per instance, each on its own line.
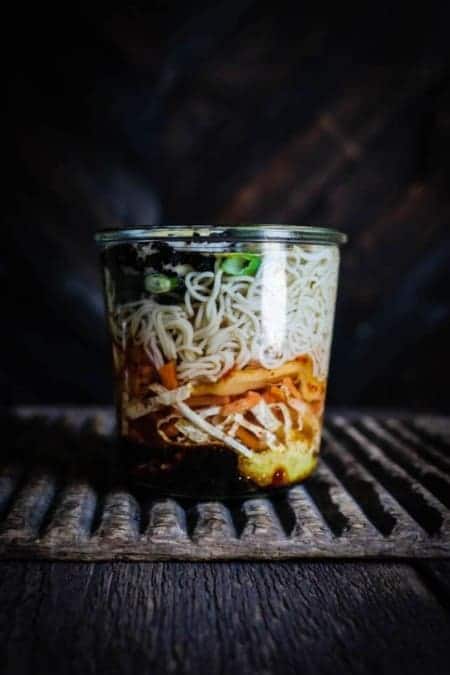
<point x="284" y="311"/>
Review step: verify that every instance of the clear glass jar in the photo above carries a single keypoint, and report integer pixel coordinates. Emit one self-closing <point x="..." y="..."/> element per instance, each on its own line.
<point x="221" y="339"/>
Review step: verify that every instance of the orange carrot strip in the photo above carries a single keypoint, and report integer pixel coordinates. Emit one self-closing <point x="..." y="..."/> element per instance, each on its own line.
<point x="291" y="388"/>
<point x="317" y="407"/>
<point x="269" y="398"/>
<point x="248" y="439"/>
<point x="277" y="394"/>
<point x="204" y="401"/>
<point x="241" y="404"/>
<point x="168" y="375"/>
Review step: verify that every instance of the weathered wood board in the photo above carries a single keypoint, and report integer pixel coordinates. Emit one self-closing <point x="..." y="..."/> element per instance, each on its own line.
<point x="381" y="490"/>
<point x="309" y="617"/>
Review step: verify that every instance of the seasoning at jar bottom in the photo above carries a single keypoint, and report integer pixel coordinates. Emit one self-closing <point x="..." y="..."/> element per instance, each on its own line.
<point x="221" y="339"/>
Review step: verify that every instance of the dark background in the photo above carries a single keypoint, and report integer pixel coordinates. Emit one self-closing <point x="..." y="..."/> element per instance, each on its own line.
<point x="232" y="113"/>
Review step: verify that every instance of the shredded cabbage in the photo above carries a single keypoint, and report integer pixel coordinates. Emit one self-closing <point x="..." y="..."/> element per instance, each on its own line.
<point x="265" y="416"/>
<point x="136" y="409"/>
<point x="213" y="431"/>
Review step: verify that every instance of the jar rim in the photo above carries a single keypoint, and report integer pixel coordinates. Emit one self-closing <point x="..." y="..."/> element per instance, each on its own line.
<point x="252" y="233"/>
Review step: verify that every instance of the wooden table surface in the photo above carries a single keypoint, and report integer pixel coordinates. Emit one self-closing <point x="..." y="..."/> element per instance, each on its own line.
<point x="238" y="617"/>
<point x="293" y="616"/>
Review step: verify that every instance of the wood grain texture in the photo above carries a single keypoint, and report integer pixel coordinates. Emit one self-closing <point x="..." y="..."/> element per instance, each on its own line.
<point x="372" y="495"/>
<point x="248" y="618"/>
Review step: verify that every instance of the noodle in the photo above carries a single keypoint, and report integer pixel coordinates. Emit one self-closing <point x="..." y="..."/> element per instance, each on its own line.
<point x="223" y="323"/>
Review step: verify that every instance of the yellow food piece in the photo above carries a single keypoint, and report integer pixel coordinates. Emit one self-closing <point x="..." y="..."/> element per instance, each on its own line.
<point x="280" y="466"/>
<point x="311" y="428"/>
<point x="240" y="381"/>
<point x="312" y="389"/>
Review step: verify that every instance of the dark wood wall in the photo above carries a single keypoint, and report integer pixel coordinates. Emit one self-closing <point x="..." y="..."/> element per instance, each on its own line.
<point x="230" y="113"/>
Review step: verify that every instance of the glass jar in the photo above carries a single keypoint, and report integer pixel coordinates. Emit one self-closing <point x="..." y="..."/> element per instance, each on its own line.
<point x="221" y="339"/>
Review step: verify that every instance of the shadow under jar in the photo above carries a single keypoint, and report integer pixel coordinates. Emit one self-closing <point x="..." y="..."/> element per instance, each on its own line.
<point x="221" y="339"/>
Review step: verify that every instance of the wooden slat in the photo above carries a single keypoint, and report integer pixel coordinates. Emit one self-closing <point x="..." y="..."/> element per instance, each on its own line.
<point x="356" y="526"/>
<point x="416" y="499"/>
<point x="379" y="505"/>
<point x="262" y="522"/>
<point x="28" y="510"/>
<point x="72" y="520"/>
<point x="167" y="522"/>
<point x="429" y="476"/>
<point x="309" y="521"/>
<point x="214" y="524"/>
<point x="437" y="426"/>
<point x="9" y="480"/>
<point x="120" y="518"/>
<point x="426" y="449"/>
<point x="363" y="500"/>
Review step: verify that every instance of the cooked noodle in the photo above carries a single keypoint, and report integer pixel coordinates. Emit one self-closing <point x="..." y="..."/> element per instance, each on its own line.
<point x="229" y="321"/>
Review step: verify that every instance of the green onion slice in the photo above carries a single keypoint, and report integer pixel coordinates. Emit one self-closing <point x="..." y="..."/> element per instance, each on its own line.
<point x="241" y="264"/>
<point x="160" y="283"/>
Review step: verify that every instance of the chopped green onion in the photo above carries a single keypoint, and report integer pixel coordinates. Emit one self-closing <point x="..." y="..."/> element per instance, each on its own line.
<point x="160" y="283"/>
<point x="241" y="264"/>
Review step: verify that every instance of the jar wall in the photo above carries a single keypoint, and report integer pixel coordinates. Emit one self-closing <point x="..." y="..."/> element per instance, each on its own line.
<point x="221" y="354"/>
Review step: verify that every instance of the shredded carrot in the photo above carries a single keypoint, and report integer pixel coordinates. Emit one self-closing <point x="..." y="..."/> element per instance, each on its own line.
<point x="273" y="395"/>
<point x="317" y="407"/>
<point x="287" y="381"/>
<point x="269" y="398"/>
<point x="248" y="439"/>
<point x="276" y="393"/>
<point x="204" y="401"/>
<point x="241" y="404"/>
<point x="168" y="375"/>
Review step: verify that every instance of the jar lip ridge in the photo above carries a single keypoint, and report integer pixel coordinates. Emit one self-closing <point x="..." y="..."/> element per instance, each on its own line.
<point x="252" y="233"/>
